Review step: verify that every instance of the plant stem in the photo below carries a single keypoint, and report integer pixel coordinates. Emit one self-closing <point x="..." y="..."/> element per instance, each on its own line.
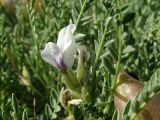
<point x="110" y="98"/>
<point x="102" y="39"/>
<point x="119" y="57"/>
<point x="96" y="61"/>
<point x="80" y="14"/>
<point x="99" y="52"/>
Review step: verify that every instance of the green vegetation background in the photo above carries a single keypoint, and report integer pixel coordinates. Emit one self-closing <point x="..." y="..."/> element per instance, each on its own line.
<point x="25" y="27"/>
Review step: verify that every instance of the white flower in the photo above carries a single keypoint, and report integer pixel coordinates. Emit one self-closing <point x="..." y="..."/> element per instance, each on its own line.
<point x="61" y="55"/>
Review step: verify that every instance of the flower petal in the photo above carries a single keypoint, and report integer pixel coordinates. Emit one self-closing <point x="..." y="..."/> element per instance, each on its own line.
<point x="65" y="36"/>
<point x="51" y="54"/>
<point x="67" y="44"/>
<point x="69" y="54"/>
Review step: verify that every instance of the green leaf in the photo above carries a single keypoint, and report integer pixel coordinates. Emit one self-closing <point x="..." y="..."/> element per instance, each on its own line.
<point x="86" y="18"/>
<point x="54" y="115"/>
<point x="25" y="115"/>
<point x="54" y="100"/>
<point x="108" y="21"/>
<point x="128" y="18"/>
<point x="127" y="108"/>
<point x="115" y="115"/>
<point x="126" y="117"/>
<point x="5" y="116"/>
<point x="139" y="102"/>
<point x="153" y="85"/>
<point x="15" y="108"/>
<point x="135" y="106"/>
<point x="129" y="49"/>
<point x="109" y="65"/>
<point x="48" y="112"/>
<point x="144" y="96"/>
<point x="1" y="23"/>
<point x="113" y="52"/>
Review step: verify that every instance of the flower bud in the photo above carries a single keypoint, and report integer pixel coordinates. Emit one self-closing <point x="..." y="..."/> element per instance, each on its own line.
<point x="82" y="58"/>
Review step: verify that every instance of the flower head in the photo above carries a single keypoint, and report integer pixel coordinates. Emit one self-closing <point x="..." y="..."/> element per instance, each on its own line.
<point x="61" y="55"/>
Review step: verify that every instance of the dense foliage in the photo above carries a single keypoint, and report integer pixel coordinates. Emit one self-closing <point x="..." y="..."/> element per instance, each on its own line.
<point x="120" y="35"/>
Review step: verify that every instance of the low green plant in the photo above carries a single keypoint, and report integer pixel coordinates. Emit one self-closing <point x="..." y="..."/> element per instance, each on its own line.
<point x="111" y="36"/>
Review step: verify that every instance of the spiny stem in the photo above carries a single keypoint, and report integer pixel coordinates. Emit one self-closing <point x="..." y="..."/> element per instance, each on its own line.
<point x="80" y="14"/>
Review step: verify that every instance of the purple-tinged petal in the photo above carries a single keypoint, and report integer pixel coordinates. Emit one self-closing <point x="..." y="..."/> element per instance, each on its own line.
<point x="51" y="53"/>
